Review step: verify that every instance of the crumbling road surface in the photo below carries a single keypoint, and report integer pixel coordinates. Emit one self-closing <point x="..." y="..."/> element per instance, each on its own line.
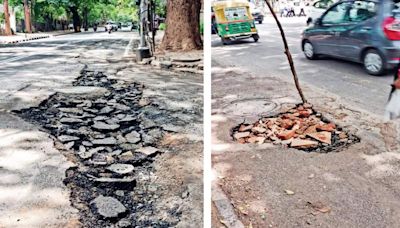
<point x="101" y="143"/>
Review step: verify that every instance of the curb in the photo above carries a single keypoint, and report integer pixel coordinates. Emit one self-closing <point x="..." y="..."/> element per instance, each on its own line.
<point x="33" y="38"/>
<point x="225" y="208"/>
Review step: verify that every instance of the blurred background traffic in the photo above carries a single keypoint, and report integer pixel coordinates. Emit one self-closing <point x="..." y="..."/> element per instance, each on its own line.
<point x="348" y="48"/>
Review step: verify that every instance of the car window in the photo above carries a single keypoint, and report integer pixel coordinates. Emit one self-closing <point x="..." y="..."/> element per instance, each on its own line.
<point x="236" y="13"/>
<point x="322" y="4"/>
<point x="396" y="8"/>
<point x="362" y="10"/>
<point x="337" y="14"/>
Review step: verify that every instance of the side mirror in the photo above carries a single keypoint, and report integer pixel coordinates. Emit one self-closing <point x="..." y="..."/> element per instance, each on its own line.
<point x="318" y="21"/>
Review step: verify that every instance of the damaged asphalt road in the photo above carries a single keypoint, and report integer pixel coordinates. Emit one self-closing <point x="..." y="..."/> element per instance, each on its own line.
<point x="133" y="140"/>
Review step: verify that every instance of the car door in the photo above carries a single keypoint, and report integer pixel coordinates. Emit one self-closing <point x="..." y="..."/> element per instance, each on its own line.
<point x="326" y="31"/>
<point x="361" y="20"/>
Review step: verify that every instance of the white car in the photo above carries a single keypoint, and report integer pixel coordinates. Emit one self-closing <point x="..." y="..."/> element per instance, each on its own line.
<point x="317" y="9"/>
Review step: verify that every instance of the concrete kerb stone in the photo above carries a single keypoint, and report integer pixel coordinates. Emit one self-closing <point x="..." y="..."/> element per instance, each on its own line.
<point x="12" y="43"/>
<point x="225" y="208"/>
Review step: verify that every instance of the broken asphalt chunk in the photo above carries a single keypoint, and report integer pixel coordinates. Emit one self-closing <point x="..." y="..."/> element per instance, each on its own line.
<point x="105" y="127"/>
<point x="147" y="150"/>
<point x="67" y="138"/>
<point x="108" y="207"/>
<point x="121" y="168"/>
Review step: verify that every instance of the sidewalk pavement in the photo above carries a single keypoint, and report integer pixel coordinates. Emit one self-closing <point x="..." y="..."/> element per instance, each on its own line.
<point x="273" y="186"/>
<point x="23" y="37"/>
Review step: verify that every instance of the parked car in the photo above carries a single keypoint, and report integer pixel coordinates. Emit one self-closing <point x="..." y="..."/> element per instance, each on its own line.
<point x="367" y="32"/>
<point x="317" y="9"/>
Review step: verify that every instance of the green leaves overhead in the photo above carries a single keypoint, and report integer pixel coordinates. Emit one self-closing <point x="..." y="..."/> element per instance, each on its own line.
<point x="98" y="10"/>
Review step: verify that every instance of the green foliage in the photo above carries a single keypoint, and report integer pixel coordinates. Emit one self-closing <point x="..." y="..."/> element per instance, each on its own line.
<point x="162" y="26"/>
<point x="161" y="7"/>
<point x="98" y="11"/>
<point x="2" y="18"/>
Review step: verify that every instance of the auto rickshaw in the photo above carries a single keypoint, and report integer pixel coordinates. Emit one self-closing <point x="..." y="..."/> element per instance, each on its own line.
<point x="233" y="21"/>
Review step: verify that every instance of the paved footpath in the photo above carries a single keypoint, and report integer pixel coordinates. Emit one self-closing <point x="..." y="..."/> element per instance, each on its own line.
<point x="356" y="187"/>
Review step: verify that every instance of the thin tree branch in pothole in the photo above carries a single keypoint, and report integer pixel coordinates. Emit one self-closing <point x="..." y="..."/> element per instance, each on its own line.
<point x="288" y="54"/>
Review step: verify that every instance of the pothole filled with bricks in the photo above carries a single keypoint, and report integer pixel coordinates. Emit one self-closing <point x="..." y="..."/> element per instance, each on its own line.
<point x="301" y="127"/>
<point x="114" y="148"/>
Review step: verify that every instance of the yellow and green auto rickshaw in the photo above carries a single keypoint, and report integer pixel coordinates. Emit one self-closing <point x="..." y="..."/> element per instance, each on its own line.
<point x="233" y="20"/>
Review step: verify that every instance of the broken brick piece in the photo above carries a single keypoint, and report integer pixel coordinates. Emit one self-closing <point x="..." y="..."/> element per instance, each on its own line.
<point x="342" y="135"/>
<point x="286" y="123"/>
<point x="291" y="116"/>
<point x="327" y="127"/>
<point x="286" y="134"/>
<point x="259" y="129"/>
<point x="323" y="136"/>
<point x="255" y="139"/>
<point x="240" y="135"/>
<point x="305" y="113"/>
<point x="303" y="143"/>
<point x="244" y="127"/>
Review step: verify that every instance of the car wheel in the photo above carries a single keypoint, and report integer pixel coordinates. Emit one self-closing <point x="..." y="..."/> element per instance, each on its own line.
<point x="225" y="41"/>
<point x="260" y="22"/>
<point x="256" y="37"/>
<point x="308" y="50"/>
<point x="374" y="62"/>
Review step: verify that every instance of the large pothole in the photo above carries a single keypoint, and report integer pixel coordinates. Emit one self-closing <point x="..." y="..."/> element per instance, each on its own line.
<point x="107" y="128"/>
<point x="301" y="128"/>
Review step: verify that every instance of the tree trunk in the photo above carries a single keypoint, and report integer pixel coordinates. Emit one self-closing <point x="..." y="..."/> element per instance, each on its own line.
<point x="76" y="18"/>
<point x="28" y="23"/>
<point x="7" y="17"/>
<point x="85" y="19"/>
<point x="183" y="26"/>
<point x="32" y="16"/>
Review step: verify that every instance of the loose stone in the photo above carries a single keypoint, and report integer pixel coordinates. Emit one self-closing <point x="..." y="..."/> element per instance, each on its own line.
<point x="105" y="127"/>
<point x="106" y="110"/>
<point x="147" y="150"/>
<point x="70" y="120"/>
<point x="133" y="137"/>
<point x="67" y="138"/>
<point x="89" y="154"/>
<point x="105" y="141"/>
<point x="121" y="168"/>
<point x="108" y="207"/>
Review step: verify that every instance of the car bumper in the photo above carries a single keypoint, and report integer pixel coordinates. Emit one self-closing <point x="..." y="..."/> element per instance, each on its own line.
<point x="258" y="17"/>
<point x="392" y="55"/>
<point x="240" y="36"/>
